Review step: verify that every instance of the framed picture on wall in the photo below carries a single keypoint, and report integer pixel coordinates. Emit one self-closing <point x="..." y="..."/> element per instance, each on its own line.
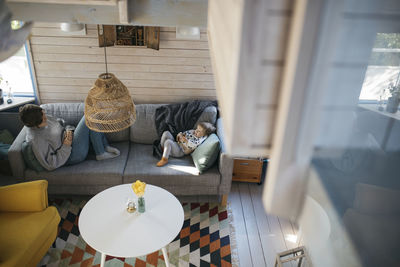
<point x="127" y="35"/>
<point x="130" y="35"/>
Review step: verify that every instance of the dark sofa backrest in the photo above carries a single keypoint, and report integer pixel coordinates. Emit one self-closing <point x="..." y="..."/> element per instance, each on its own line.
<point x="143" y="131"/>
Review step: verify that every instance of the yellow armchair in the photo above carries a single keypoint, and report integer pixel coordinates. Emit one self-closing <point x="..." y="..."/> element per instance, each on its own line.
<point x="28" y="226"/>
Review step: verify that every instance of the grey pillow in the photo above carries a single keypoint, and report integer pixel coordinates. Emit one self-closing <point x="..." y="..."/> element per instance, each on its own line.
<point x="143" y="131"/>
<point x="209" y="115"/>
<point x="30" y="158"/>
<point x="118" y="136"/>
<point x="71" y="113"/>
<point x="205" y="155"/>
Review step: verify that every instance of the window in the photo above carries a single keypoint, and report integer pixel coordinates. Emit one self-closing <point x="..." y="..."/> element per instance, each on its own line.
<point x="350" y="192"/>
<point x="383" y="68"/>
<point x="15" y="75"/>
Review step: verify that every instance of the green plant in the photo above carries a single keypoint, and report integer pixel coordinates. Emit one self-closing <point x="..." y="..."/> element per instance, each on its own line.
<point x="15" y="24"/>
<point x="387" y="40"/>
<point x="394" y="90"/>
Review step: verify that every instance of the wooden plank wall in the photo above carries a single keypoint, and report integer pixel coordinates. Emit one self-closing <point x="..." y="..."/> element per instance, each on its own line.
<point x="67" y="66"/>
<point x="277" y="19"/>
<point x="248" y="41"/>
<point x="224" y="24"/>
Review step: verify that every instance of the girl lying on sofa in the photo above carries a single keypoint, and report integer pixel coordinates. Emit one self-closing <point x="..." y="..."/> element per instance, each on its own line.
<point x="54" y="146"/>
<point x="186" y="142"/>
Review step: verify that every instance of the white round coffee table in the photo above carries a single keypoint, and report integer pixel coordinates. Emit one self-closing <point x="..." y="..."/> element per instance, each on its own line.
<point x="106" y="226"/>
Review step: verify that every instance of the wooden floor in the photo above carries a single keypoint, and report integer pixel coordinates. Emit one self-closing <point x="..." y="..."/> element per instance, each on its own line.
<point x="259" y="235"/>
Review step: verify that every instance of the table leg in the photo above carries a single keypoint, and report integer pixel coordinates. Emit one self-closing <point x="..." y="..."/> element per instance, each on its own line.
<point x="164" y="252"/>
<point x="103" y="259"/>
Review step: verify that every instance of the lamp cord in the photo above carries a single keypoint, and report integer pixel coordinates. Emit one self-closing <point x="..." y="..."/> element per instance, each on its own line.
<point x="105" y="50"/>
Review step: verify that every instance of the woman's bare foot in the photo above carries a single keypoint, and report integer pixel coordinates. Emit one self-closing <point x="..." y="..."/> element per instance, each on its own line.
<point x="162" y="162"/>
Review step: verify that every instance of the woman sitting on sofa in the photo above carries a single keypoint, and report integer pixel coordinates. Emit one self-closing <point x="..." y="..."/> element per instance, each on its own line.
<point x="54" y="146"/>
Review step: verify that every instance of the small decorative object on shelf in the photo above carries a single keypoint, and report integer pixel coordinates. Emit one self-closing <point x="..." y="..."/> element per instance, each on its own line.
<point x="380" y="102"/>
<point x="394" y="100"/>
<point x="130" y="206"/>
<point x="139" y="187"/>
<point x="9" y="94"/>
<point x="1" y="92"/>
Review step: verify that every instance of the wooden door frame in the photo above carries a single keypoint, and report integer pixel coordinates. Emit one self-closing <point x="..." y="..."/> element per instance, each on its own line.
<point x="297" y="115"/>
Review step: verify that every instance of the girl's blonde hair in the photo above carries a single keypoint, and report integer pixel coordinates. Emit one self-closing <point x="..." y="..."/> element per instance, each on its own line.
<point x="208" y="127"/>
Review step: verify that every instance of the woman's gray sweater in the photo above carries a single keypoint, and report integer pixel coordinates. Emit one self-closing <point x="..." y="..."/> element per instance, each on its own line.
<point x="47" y="144"/>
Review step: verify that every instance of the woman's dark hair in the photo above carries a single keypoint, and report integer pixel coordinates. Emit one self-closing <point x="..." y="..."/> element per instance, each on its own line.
<point x="31" y="115"/>
<point x="208" y="127"/>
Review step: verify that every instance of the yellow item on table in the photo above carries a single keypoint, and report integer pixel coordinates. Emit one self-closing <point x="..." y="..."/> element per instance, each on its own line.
<point x="139" y="187"/>
<point x="28" y="226"/>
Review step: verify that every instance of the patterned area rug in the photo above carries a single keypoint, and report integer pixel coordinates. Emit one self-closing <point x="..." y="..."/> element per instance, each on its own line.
<point x="205" y="240"/>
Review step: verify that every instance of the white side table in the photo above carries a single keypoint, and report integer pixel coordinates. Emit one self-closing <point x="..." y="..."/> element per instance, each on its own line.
<point x="107" y="227"/>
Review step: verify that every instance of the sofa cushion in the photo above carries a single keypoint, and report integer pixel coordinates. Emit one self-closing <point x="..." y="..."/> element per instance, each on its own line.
<point x="118" y="136"/>
<point x="70" y="112"/>
<point x="88" y="172"/>
<point x="143" y="131"/>
<point x="30" y="158"/>
<point x="205" y="155"/>
<point x="6" y="137"/>
<point x="209" y="115"/>
<point x="179" y="171"/>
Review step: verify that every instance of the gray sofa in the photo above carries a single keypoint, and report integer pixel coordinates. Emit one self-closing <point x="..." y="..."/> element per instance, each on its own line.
<point x="136" y="161"/>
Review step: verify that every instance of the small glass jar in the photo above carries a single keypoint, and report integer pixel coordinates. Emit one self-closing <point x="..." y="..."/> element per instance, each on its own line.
<point x="130" y="206"/>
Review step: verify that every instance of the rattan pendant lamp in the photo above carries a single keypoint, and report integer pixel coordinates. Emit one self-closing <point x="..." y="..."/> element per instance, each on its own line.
<point x="109" y="106"/>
